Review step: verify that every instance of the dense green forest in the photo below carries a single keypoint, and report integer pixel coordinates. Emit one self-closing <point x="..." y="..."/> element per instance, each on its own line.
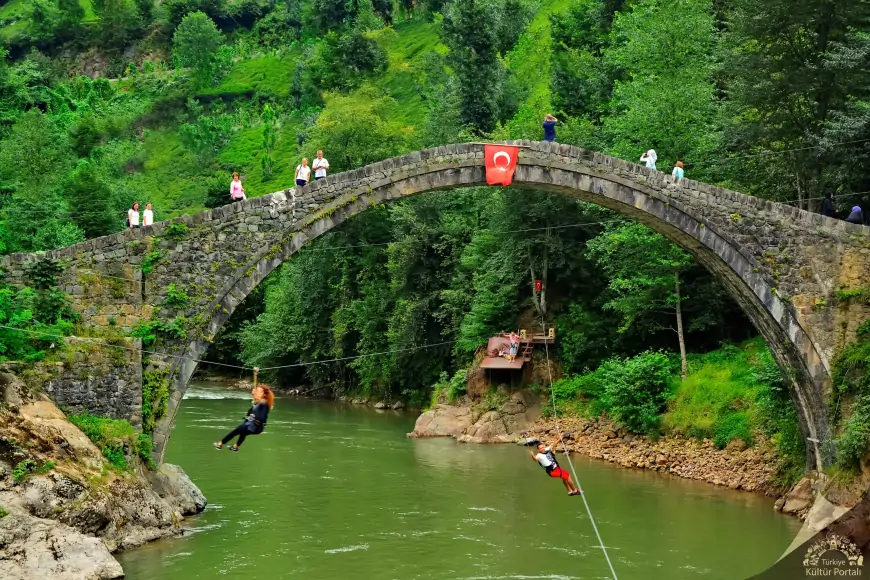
<point x="106" y="102"/>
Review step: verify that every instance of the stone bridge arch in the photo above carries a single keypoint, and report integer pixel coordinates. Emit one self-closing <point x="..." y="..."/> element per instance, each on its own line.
<point x="782" y="265"/>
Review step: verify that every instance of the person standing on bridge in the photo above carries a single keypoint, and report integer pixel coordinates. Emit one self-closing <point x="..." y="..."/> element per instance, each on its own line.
<point x="550" y="128"/>
<point x="133" y="216"/>
<point x="148" y="215"/>
<point x="255" y="418"/>
<point x="321" y="166"/>
<point x="237" y="192"/>
<point x="649" y="158"/>
<point x="547" y="459"/>
<point x="303" y="173"/>
<point x="678" y="171"/>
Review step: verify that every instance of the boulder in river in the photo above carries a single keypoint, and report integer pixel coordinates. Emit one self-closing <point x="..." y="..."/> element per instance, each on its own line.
<point x="43" y="548"/>
<point x="799" y="498"/>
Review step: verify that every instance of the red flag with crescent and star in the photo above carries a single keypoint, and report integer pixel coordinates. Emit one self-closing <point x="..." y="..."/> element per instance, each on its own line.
<point x="501" y="161"/>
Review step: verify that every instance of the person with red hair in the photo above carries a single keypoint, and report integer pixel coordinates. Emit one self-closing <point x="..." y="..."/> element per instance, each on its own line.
<point x="255" y="419"/>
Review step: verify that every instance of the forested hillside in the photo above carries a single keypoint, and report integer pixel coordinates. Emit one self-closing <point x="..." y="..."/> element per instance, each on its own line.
<point x="107" y="102"/>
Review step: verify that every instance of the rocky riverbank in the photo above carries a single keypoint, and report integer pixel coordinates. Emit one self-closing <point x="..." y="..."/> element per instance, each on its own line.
<point x="736" y="467"/>
<point x="63" y="510"/>
<point x="519" y="418"/>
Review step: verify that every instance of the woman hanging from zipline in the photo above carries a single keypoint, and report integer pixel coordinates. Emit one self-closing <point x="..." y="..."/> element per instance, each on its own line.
<point x="547" y="459"/>
<point x="255" y="419"/>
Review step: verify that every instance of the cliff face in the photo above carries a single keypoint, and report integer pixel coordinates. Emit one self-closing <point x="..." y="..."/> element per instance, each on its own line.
<point x="63" y="510"/>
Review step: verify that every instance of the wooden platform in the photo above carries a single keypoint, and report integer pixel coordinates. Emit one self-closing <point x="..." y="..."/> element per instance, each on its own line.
<point x="500" y="362"/>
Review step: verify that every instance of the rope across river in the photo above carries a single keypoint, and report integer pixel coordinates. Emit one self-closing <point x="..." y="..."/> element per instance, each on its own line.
<point x="568" y="456"/>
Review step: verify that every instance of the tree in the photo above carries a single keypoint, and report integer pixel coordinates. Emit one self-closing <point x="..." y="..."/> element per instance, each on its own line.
<point x="269" y="118"/>
<point x="71" y="16"/>
<point x="470" y="29"/>
<point x="666" y="103"/>
<point x="118" y="21"/>
<point x="357" y="130"/>
<point x="581" y="82"/>
<point x="333" y="14"/>
<point x="90" y="201"/>
<point x="43" y="19"/>
<point x="644" y="269"/>
<point x="195" y="45"/>
<point x="787" y="80"/>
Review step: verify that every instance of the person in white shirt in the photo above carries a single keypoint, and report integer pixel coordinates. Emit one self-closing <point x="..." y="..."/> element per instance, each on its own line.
<point x="547" y="459"/>
<point x="303" y="173"/>
<point x="147" y="215"/>
<point x="133" y="216"/>
<point x="321" y="166"/>
<point x="649" y="158"/>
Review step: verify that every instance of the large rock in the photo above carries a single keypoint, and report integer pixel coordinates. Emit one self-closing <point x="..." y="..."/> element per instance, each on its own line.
<point x="443" y="421"/>
<point x="473" y="425"/>
<point x="799" y="498"/>
<point x="34" y="548"/>
<point x="174" y="487"/>
<point x="47" y="426"/>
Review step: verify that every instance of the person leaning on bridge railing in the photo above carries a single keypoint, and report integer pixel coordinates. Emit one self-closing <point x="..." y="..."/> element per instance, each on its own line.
<point x="856" y="217"/>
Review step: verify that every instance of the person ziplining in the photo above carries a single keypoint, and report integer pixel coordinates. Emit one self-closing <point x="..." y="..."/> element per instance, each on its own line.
<point x="255" y="418"/>
<point x="547" y="458"/>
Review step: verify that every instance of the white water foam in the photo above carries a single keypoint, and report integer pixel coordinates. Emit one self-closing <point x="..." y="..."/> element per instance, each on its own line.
<point x="348" y="549"/>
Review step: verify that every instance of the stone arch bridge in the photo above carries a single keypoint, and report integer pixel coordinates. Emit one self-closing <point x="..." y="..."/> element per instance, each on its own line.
<point x="784" y="266"/>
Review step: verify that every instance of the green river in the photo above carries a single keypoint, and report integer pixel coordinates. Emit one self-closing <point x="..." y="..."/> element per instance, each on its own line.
<point x="332" y="491"/>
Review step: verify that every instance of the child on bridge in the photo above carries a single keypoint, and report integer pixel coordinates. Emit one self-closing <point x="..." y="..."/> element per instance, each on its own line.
<point x="255" y="419"/>
<point x="547" y="459"/>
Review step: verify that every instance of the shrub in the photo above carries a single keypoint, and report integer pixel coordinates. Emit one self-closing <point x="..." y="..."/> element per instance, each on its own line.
<point x="144" y="448"/>
<point x="31" y="467"/>
<point x="150" y="331"/>
<point x="636" y="390"/>
<point x="155" y="397"/>
<point x="175" y="297"/>
<point x="453" y="387"/>
<point x="112" y="436"/>
<point x="851" y="377"/>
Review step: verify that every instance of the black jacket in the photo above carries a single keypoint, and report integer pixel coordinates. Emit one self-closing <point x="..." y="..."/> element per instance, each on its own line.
<point x="256" y="417"/>
<point x="828" y="208"/>
<point x="856" y="217"/>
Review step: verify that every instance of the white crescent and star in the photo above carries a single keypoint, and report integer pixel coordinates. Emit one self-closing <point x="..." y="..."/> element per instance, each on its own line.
<point x="501" y="154"/>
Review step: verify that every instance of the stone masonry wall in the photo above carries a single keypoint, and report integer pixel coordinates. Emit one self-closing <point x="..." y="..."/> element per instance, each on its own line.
<point x="783" y="265"/>
<point x="88" y="377"/>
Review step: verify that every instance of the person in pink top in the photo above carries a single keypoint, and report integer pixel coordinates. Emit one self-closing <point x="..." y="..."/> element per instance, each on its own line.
<point x="237" y="192"/>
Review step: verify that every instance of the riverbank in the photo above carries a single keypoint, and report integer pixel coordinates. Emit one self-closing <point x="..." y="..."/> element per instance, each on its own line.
<point x="65" y="506"/>
<point x="519" y="418"/>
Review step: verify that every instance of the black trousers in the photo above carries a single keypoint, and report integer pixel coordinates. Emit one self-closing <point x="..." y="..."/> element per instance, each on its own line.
<point x="241" y="431"/>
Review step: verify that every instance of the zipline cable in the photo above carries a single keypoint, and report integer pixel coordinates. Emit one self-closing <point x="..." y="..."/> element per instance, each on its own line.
<point x="244" y="368"/>
<point x="567" y="455"/>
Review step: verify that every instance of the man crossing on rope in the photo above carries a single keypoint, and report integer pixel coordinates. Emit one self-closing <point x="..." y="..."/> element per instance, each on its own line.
<point x="255" y="419"/>
<point x="547" y="459"/>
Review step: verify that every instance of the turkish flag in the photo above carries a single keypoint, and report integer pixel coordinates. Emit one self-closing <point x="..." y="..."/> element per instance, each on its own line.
<point x="501" y="161"/>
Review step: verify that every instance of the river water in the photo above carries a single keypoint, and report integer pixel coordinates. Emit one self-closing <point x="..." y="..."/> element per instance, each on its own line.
<point x="336" y="492"/>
